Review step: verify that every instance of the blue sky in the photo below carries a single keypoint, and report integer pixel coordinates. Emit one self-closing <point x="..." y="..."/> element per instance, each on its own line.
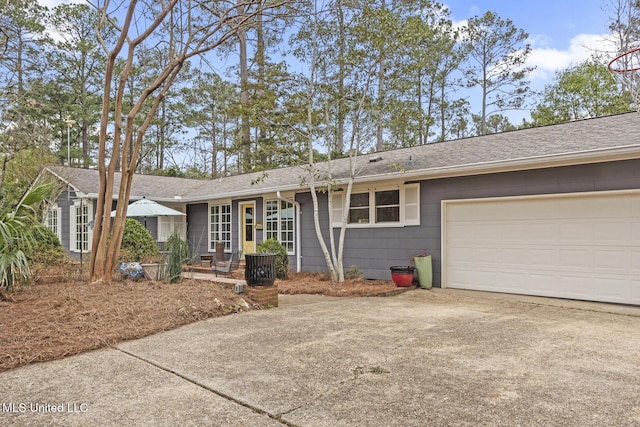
<point x="561" y="32"/>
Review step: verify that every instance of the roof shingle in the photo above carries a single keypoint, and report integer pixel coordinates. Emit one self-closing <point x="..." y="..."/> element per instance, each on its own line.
<point x="575" y="139"/>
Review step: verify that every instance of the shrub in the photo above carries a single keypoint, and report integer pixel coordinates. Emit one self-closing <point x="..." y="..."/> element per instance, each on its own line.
<point x="178" y="255"/>
<point x="137" y="243"/>
<point x="353" y="272"/>
<point x="272" y="246"/>
<point x="46" y="248"/>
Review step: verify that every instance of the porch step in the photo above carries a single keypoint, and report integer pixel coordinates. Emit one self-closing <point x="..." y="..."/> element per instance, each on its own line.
<point x="199" y="268"/>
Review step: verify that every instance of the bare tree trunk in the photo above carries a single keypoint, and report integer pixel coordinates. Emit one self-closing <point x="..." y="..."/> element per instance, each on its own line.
<point x="163" y="124"/>
<point x="214" y="144"/>
<point x="443" y="110"/>
<point x="260" y="58"/>
<point x="379" y="128"/>
<point x="341" y="78"/>
<point x="382" y="70"/>
<point x="244" y="97"/>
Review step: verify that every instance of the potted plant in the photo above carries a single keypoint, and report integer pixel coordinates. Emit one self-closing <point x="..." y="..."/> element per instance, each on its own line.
<point x="151" y="270"/>
<point x="402" y="275"/>
<point x="138" y="247"/>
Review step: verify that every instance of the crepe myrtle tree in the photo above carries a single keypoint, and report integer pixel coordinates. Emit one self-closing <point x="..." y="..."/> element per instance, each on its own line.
<point x="182" y="29"/>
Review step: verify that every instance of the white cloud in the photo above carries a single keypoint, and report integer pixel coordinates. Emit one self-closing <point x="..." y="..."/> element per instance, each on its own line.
<point x="548" y="60"/>
<point x="53" y="3"/>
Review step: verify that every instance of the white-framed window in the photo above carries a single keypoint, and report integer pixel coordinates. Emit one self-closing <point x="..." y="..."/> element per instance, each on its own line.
<point x="52" y="222"/>
<point x="220" y="225"/>
<point x="387" y="205"/>
<point x="397" y="206"/>
<point x="168" y="225"/>
<point x="359" y="211"/>
<point x="280" y="223"/>
<point x="81" y="214"/>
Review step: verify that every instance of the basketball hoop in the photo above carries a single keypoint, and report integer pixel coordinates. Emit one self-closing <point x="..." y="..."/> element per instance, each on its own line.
<point x="625" y="68"/>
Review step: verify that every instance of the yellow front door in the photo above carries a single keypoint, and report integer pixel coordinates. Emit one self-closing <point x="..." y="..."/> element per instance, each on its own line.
<point x="248" y="229"/>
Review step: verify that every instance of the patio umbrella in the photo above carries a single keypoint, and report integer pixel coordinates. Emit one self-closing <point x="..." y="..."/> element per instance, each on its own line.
<point x="148" y="208"/>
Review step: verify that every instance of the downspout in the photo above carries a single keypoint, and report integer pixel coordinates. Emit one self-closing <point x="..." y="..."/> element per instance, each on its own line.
<point x="298" y="239"/>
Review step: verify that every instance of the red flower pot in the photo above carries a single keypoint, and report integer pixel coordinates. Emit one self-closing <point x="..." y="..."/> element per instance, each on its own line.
<point x="402" y="276"/>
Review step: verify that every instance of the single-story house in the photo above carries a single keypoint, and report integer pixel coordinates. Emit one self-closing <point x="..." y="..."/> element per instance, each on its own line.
<point x="551" y="211"/>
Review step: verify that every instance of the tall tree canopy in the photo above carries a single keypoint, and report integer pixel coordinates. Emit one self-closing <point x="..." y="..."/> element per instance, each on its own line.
<point x="497" y="55"/>
<point x="582" y="91"/>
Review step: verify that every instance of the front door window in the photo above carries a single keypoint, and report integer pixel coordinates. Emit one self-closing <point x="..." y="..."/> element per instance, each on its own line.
<point x="248" y="227"/>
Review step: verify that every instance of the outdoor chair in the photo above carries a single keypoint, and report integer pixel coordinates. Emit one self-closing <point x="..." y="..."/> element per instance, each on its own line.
<point x="231" y="264"/>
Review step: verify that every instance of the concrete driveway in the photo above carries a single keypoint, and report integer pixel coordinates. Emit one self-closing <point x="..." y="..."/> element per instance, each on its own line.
<point x="441" y="358"/>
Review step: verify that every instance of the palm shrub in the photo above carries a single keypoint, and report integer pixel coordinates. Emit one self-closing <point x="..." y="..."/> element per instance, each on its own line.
<point x="19" y="229"/>
<point x="272" y="246"/>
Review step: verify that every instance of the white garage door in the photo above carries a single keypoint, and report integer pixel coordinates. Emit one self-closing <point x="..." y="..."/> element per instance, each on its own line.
<point x="579" y="246"/>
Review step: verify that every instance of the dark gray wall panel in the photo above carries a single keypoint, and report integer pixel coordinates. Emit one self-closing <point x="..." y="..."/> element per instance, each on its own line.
<point x="197" y="228"/>
<point x="374" y="250"/>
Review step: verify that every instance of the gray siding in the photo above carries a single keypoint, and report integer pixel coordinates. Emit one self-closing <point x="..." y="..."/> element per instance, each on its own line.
<point x="374" y="250"/>
<point x="197" y="228"/>
<point x="64" y="203"/>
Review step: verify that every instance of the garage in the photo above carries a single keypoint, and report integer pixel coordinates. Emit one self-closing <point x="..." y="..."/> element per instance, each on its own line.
<point x="579" y="246"/>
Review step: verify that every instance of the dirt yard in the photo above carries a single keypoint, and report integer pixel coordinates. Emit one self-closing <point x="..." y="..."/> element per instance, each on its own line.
<point x="61" y="314"/>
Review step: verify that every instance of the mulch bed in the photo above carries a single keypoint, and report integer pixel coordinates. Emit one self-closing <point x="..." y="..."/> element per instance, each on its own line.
<point x="62" y="314"/>
<point x="314" y="283"/>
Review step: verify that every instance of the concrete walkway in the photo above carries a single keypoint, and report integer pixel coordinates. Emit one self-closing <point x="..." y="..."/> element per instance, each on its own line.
<point x="422" y="358"/>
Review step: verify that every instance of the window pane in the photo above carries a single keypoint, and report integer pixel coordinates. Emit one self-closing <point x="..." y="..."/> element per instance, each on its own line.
<point x="359" y="209"/>
<point x="359" y="216"/>
<point x="388" y="214"/>
<point x="359" y="200"/>
<point x="391" y="197"/>
<point x="387" y="206"/>
<point x="271" y="219"/>
<point x="279" y="222"/>
<point x="220" y="226"/>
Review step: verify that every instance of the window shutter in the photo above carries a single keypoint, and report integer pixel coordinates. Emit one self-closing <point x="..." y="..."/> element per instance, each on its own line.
<point x="336" y="211"/>
<point x="90" y="224"/>
<point x="72" y="229"/>
<point x="164" y="228"/>
<point x="411" y="204"/>
<point x="59" y="223"/>
<point x="181" y="227"/>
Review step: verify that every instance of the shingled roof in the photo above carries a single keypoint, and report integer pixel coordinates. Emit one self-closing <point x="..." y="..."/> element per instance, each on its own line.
<point x="583" y="141"/>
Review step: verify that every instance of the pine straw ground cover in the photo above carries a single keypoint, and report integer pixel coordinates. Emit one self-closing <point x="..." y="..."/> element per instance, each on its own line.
<point x="62" y="314"/>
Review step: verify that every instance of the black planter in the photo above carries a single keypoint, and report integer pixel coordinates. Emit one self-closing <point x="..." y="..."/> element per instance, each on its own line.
<point x="260" y="269"/>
